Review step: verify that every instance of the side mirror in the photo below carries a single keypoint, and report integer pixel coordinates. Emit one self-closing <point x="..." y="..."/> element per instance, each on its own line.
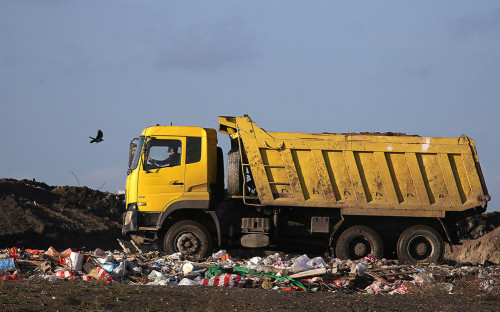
<point x="132" y="150"/>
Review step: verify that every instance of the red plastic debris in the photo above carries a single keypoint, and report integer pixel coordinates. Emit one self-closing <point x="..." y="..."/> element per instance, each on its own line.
<point x="13" y="253"/>
<point x="293" y="288"/>
<point x="10" y="277"/>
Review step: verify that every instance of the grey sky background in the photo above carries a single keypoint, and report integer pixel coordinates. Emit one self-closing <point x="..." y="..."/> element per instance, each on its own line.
<point x="68" y="68"/>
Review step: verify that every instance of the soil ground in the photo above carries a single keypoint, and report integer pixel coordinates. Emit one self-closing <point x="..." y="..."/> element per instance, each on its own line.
<point x="96" y="296"/>
<point x="35" y="215"/>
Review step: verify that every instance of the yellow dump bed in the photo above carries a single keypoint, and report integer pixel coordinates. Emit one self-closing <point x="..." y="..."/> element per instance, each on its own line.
<point x="362" y="174"/>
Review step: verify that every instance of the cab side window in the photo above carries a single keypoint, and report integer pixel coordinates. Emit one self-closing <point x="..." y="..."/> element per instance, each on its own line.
<point x="163" y="153"/>
<point x="193" y="150"/>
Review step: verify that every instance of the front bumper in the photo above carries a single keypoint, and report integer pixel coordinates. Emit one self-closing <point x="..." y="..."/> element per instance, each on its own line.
<point x="130" y="220"/>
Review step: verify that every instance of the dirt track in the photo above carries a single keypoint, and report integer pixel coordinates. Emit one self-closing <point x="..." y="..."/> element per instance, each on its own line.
<point x="96" y="296"/>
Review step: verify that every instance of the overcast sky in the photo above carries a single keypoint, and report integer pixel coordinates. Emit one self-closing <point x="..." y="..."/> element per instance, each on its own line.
<point x="69" y="68"/>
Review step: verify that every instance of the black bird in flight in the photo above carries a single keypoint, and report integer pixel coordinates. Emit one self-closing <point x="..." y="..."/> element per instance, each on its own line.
<point x="98" y="138"/>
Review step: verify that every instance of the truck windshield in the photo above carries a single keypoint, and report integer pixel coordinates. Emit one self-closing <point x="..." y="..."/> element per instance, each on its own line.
<point x="135" y="151"/>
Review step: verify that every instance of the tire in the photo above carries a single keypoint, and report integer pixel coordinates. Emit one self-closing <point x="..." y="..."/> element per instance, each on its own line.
<point x="234" y="174"/>
<point x="188" y="237"/>
<point x="358" y="242"/>
<point x="420" y="243"/>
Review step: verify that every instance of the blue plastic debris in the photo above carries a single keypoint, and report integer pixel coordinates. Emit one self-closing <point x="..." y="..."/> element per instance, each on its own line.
<point x="8" y="265"/>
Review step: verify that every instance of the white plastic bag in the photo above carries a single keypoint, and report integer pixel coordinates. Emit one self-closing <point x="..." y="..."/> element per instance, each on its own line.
<point x="76" y="261"/>
<point x="300" y="264"/>
<point x="316" y="263"/>
<point x="187" y="282"/>
<point x="361" y="268"/>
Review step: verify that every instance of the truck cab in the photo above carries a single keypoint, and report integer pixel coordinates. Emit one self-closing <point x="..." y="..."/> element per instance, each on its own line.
<point x="172" y="170"/>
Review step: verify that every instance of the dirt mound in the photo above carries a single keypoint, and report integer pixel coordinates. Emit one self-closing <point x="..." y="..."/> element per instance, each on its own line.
<point x="477" y="251"/>
<point x="36" y="215"/>
<point x="476" y="226"/>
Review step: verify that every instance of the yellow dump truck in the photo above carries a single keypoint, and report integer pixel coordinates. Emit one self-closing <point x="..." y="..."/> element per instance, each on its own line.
<point x="351" y="194"/>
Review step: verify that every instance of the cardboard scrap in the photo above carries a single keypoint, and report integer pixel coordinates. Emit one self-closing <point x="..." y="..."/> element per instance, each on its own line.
<point x="309" y="273"/>
<point x="94" y="273"/>
<point x="352" y="273"/>
<point x="54" y="259"/>
<point x="129" y="246"/>
<point x="88" y="267"/>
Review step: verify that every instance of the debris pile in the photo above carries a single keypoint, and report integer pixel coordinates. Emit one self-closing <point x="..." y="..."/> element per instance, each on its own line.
<point x="33" y="213"/>
<point x="273" y="272"/>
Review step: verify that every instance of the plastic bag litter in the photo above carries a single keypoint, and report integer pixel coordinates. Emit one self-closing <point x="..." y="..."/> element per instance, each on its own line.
<point x="300" y="264"/>
<point x="304" y="263"/>
<point x="187" y="282"/>
<point x="219" y="254"/>
<point x="227" y="280"/>
<point x="255" y="260"/>
<point x="65" y="275"/>
<point x="136" y="270"/>
<point x="316" y="263"/>
<point x="109" y="266"/>
<point x="361" y="268"/>
<point x="422" y="279"/>
<point x="273" y="259"/>
<point x="7" y="265"/>
<point x="159" y="275"/>
<point x="47" y="277"/>
<point x="75" y="261"/>
<point x="177" y="256"/>
<point x="159" y="278"/>
<point x="132" y="268"/>
<point x="110" y="258"/>
<point x="119" y="271"/>
<point x="379" y="287"/>
<point x="401" y="290"/>
<point x="164" y="282"/>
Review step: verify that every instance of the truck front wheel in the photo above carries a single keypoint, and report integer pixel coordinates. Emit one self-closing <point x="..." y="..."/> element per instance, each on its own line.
<point x="188" y="237"/>
<point x="357" y="242"/>
<point x="420" y="243"/>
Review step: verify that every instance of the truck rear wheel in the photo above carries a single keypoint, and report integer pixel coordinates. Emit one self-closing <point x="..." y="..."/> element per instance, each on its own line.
<point x="234" y="173"/>
<point x="188" y="237"/>
<point x="358" y="242"/>
<point x="420" y="243"/>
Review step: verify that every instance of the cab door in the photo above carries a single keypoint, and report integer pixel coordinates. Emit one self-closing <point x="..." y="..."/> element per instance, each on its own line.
<point x="158" y="185"/>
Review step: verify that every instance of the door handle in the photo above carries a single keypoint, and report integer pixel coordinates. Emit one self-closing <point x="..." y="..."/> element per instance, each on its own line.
<point x="176" y="183"/>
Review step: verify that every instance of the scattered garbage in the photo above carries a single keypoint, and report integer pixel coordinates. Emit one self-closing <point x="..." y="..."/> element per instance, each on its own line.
<point x="274" y="272"/>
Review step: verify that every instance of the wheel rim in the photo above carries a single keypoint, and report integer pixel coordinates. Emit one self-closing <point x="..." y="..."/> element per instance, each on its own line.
<point x="420" y="248"/>
<point x="359" y="247"/>
<point x="187" y="243"/>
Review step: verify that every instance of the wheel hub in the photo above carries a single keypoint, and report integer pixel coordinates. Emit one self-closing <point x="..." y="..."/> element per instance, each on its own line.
<point x="188" y="243"/>
<point x="420" y="248"/>
<point x="359" y="248"/>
